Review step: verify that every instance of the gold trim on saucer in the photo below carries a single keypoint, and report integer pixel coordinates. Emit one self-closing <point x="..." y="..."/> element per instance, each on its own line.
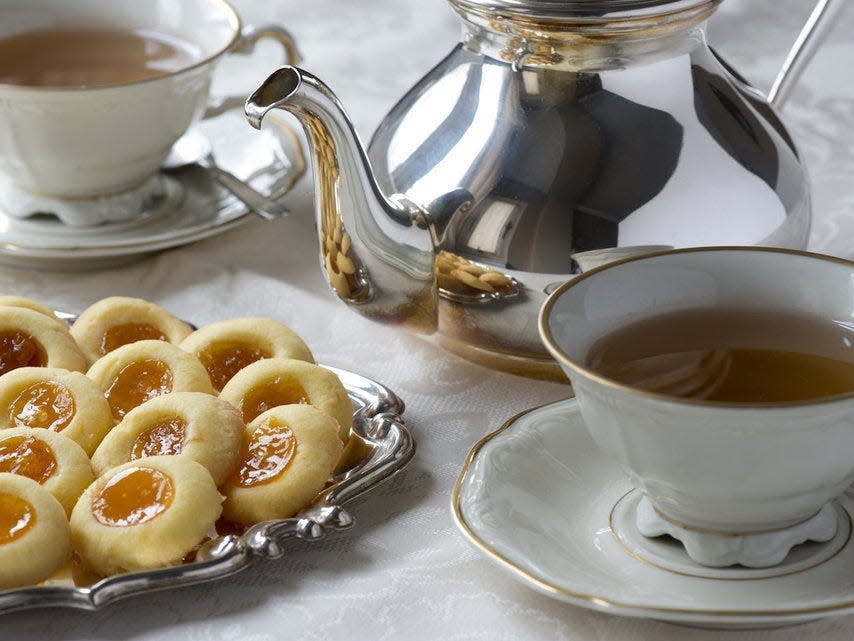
<point x="599" y="603"/>
<point x="293" y="152"/>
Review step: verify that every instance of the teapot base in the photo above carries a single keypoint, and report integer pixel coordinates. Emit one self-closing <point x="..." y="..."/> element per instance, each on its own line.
<point x="512" y="363"/>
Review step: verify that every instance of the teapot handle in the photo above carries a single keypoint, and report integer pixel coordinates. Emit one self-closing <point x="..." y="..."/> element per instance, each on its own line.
<point x="813" y="33"/>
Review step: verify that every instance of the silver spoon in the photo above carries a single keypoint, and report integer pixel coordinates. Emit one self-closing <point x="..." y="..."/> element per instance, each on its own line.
<point x="193" y="149"/>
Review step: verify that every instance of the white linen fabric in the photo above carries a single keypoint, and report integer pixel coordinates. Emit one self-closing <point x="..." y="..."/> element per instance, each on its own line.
<point x="404" y="571"/>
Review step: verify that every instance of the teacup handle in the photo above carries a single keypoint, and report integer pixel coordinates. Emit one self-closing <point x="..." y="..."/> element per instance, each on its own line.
<point x="245" y="45"/>
<point x="251" y="35"/>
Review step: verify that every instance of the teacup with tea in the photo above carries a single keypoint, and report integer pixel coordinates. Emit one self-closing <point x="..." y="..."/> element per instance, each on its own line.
<point x="94" y="93"/>
<point x="722" y="380"/>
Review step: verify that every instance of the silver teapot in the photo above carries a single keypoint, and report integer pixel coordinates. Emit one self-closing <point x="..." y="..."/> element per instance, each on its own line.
<point x="558" y="135"/>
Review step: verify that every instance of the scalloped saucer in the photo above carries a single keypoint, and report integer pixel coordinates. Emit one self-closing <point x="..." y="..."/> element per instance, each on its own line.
<point x="184" y="207"/>
<point x="538" y="497"/>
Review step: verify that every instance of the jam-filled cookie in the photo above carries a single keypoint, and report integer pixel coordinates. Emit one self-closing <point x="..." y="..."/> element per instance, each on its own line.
<point x="200" y="426"/>
<point x="144" y="514"/>
<point x="52" y="460"/>
<point x="291" y="454"/>
<point x="28" y="303"/>
<point x="120" y="320"/>
<point x="281" y="381"/>
<point x="29" y="338"/>
<point x="140" y="371"/>
<point x="228" y="346"/>
<point x="57" y="400"/>
<point x="34" y="535"/>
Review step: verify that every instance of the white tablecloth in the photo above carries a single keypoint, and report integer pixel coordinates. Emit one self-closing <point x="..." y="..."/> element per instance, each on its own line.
<point x="404" y="571"/>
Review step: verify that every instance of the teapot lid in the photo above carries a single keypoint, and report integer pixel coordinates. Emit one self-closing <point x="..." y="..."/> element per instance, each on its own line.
<point x="584" y="9"/>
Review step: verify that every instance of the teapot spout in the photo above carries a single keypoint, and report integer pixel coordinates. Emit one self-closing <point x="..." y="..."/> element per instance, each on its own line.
<point x="273" y="93"/>
<point x="376" y="251"/>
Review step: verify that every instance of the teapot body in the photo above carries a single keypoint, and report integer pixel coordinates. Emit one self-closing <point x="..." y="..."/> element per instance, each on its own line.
<point x="529" y="164"/>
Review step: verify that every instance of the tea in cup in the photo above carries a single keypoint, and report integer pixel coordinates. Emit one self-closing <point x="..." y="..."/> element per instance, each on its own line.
<point x="94" y="93"/>
<point x="722" y="380"/>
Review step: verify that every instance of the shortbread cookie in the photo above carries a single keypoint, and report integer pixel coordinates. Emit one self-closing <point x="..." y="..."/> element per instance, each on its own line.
<point x="200" y="426"/>
<point x="291" y="454"/>
<point x="29" y="338"/>
<point x="120" y="320"/>
<point x="140" y="371"/>
<point x="282" y="381"/>
<point x="34" y="534"/>
<point x="144" y="514"/>
<point x="52" y="460"/>
<point x="57" y="400"/>
<point x="228" y="346"/>
<point x="28" y="303"/>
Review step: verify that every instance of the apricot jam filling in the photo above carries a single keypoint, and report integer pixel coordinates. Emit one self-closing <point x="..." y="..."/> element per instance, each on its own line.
<point x="268" y="454"/>
<point x="127" y="333"/>
<point x="136" y="383"/>
<point x="27" y="456"/>
<point x="280" y="390"/>
<point x="46" y="404"/>
<point x="163" y="438"/>
<point x="17" y="516"/>
<point x="18" y="349"/>
<point x="132" y="497"/>
<point x="224" y="359"/>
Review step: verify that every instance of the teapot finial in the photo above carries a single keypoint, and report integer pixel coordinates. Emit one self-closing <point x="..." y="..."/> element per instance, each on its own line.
<point x="377" y="251"/>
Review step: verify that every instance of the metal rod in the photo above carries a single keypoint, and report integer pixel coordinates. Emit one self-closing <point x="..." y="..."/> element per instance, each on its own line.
<point x="811" y="36"/>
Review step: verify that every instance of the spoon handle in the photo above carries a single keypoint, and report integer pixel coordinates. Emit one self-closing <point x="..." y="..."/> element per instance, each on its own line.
<point x="260" y="204"/>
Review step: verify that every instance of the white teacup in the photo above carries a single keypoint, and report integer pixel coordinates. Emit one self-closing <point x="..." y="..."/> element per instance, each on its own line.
<point x="85" y="143"/>
<point x="737" y="483"/>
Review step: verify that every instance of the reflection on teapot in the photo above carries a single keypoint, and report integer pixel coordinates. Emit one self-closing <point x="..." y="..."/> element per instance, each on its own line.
<point x="553" y="129"/>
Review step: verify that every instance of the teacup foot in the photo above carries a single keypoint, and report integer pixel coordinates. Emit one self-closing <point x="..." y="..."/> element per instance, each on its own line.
<point x="759" y="550"/>
<point x="156" y="193"/>
<point x="670" y="554"/>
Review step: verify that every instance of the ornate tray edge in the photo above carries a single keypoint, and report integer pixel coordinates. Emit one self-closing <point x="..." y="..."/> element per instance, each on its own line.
<point x="376" y="419"/>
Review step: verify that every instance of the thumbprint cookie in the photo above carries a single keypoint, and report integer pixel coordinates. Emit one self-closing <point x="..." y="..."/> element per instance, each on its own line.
<point x="28" y="303"/>
<point x="29" y="338"/>
<point x="56" y="400"/>
<point x="228" y="346"/>
<point x="200" y="426"/>
<point x="140" y="371"/>
<point x="52" y="460"/>
<point x="144" y="514"/>
<point x="282" y="381"/>
<point x="291" y="453"/>
<point x="120" y="320"/>
<point x="34" y="533"/>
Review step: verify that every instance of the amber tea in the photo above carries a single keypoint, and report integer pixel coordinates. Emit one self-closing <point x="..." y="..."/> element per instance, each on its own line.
<point x="730" y="355"/>
<point x="90" y="57"/>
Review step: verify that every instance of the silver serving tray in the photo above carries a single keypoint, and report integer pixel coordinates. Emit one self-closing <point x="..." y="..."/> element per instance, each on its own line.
<point x="376" y="419"/>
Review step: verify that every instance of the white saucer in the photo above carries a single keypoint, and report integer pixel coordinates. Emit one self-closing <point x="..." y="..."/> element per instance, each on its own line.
<point x="536" y="497"/>
<point x="157" y="194"/>
<point x="270" y="160"/>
